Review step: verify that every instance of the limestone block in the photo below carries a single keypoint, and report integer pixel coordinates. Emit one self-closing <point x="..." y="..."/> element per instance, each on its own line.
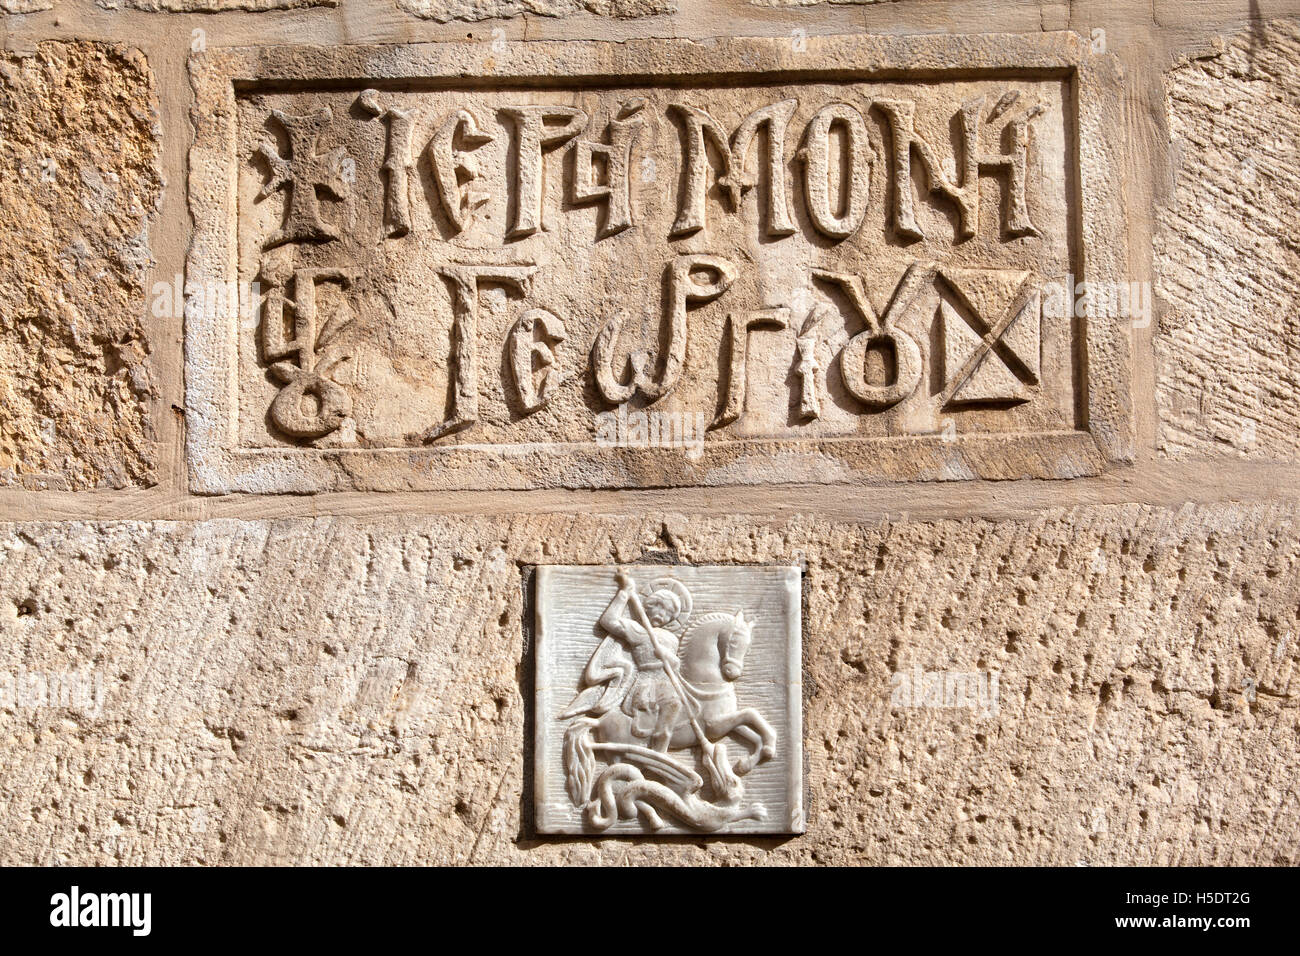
<point x="1228" y="348"/>
<point x="811" y="3"/>
<point x="213" y="6"/>
<point x="80" y="184"/>
<point x="446" y="10"/>
<point x="24" y="6"/>
<point x="343" y="690"/>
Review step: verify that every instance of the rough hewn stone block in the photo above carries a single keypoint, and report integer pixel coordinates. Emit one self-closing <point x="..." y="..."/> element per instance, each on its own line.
<point x="445" y="11"/>
<point x="812" y="3"/>
<point x="1228" y="251"/>
<point x="80" y="183"/>
<point x="337" y="690"/>
<point x="24" y="6"/>
<point x="213" y="6"/>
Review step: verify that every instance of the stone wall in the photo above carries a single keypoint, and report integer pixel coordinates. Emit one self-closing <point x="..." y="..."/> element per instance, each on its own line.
<point x="206" y="661"/>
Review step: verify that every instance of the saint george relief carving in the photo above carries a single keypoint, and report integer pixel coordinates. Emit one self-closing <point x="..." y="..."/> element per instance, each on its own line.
<point x="668" y="700"/>
<point x="843" y="275"/>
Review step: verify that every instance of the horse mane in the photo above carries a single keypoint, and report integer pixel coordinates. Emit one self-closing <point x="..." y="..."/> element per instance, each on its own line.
<point x="713" y="617"/>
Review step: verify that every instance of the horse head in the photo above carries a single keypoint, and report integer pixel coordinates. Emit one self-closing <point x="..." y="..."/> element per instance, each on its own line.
<point x="713" y="649"/>
<point x="733" y="645"/>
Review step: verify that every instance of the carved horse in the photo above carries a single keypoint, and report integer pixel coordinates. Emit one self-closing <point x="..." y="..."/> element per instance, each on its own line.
<point x="712" y="655"/>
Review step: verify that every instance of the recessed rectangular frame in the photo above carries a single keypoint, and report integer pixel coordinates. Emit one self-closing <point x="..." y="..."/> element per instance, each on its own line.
<point x="217" y="465"/>
<point x="786" y="813"/>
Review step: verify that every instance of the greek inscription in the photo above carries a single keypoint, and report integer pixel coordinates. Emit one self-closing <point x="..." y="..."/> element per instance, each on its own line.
<point x="692" y="279"/>
<point x="965" y="190"/>
<point x="532" y="357"/>
<point x="616" y="157"/>
<point x="536" y="131"/>
<point x="398" y="165"/>
<point x="310" y="404"/>
<point x="856" y="178"/>
<point x="467" y="276"/>
<point x="455" y="169"/>
<point x="700" y="131"/>
<point x="739" y="330"/>
<point x="883" y="333"/>
<point x="464" y="281"/>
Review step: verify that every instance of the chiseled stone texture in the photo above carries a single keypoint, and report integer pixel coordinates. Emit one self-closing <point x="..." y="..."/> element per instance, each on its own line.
<point x="1228" y="251"/>
<point x="25" y="6"/>
<point x="80" y="182"/>
<point x="446" y="10"/>
<point x="213" y="6"/>
<point x="813" y="3"/>
<point x="338" y="690"/>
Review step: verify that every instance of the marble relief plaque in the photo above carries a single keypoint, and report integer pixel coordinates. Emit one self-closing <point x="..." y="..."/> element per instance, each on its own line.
<point x="651" y="263"/>
<point x="668" y="700"/>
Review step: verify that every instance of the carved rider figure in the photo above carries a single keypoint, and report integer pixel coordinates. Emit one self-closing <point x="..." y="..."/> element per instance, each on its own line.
<point x="652" y="702"/>
<point x="650" y="728"/>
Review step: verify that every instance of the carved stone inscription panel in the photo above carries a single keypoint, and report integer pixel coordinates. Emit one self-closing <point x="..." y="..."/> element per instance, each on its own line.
<point x="647" y="268"/>
<point x="668" y="700"/>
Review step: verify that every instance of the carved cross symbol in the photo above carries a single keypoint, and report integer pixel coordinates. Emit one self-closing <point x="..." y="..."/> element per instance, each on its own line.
<point x="980" y="377"/>
<point x="303" y="172"/>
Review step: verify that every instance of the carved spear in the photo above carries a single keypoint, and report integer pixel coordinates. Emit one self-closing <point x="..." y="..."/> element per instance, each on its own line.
<point x="719" y="775"/>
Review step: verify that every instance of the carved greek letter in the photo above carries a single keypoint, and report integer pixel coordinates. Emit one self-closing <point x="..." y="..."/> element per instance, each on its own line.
<point x="815" y="156"/>
<point x="685" y="273"/>
<point x="310" y="405"/>
<point x="989" y="358"/>
<point x="808" y="366"/>
<point x="398" y="163"/>
<point x="735" y="177"/>
<point x="465" y="281"/>
<point x="302" y="173"/>
<point x="532" y="359"/>
<point x="532" y="136"/>
<point x="965" y="193"/>
<point x="739" y="330"/>
<point x="617" y="157"/>
<point x="881" y="332"/>
<point x="450" y="162"/>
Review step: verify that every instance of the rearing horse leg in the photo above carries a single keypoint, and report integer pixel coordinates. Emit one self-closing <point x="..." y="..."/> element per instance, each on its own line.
<point x="753" y="724"/>
<point x="746" y="763"/>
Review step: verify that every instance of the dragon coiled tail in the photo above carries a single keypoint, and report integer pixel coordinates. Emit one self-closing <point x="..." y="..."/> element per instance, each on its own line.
<point x="623" y="792"/>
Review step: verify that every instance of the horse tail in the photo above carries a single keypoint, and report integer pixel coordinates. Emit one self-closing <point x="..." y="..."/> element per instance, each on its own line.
<point x="579" y="761"/>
